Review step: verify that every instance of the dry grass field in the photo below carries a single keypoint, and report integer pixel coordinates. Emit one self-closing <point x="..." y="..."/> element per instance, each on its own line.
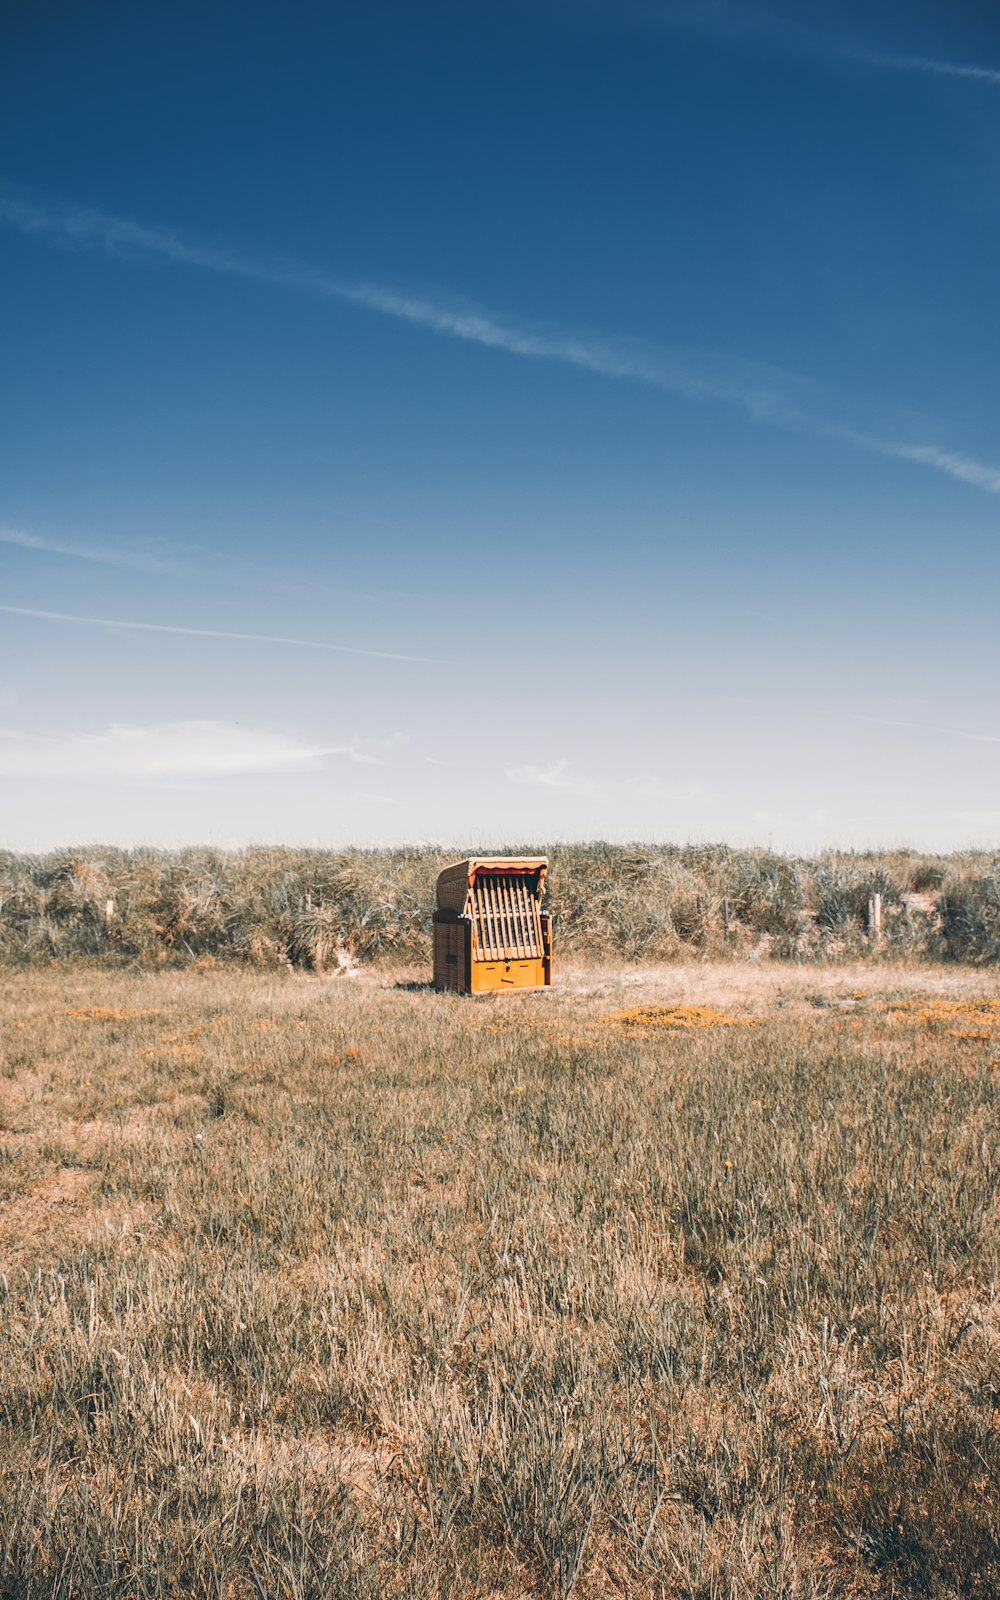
<point x="672" y="1281"/>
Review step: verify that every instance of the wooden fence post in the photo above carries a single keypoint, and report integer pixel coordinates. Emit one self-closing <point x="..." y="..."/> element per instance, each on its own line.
<point x="875" y="915"/>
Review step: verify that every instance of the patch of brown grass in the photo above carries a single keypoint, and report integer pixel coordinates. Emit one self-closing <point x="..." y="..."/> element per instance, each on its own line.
<point x="311" y="1288"/>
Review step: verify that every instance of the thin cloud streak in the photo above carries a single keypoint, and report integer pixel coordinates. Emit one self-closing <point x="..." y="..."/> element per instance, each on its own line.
<point x="724" y="21"/>
<point x="781" y="708"/>
<point x="764" y="394"/>
<point x="201" y="561"/>
<point x="103" y="555"/>
<point x="964" y="468"/>
<point x="559" y="777"/>
<point x="931" y="727"/>
<point x="124" y="752"/>
<point x="197" y="749"/>
<point x="925" y="64"/>
<point x="215" y="633"/>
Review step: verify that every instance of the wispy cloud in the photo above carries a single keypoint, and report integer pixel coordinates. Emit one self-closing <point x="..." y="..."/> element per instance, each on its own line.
<point x="170" y="751"/>
<point x="165" y="750"/>
<point x="103" y="555"/>
<point x="926" y="64"/>
<point x="790" y="714"/>
<point x="965" y="468"/>
<point x="559" y="777"/>
<point x="179" y="559"/>
<point x="213" y="633"/>
<point x="931" y="727"/>
<point x="764" y="394"/>
<point x="785" y="28"/>
<point x="371" y="752"/>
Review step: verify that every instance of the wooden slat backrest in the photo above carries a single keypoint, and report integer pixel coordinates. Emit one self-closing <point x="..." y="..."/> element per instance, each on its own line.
<point x="496" y="949"/>
<point x="517" y="886"/>
<point x="516" y="935"/>
<point x="516" y="916"/>
<point x="536" y="917"/>
<point x="478" y="929"/>
<point x="499" y="889"/>
<point x="484" y="913"/>
<point x="518" y="911"/>
<point x="500" y="885"/>
<point x="473" y="907"/>
<point x="491" y="951"/>
<point x="529" y="929"/>
<point x="505" y="917"/>
<point x="484" y="942"/>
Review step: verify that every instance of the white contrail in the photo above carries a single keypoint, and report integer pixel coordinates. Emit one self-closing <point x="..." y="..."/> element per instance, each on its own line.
<point x="215" y="633"/>
<point x="764" y="393"/>
<point x="926" y="64"/>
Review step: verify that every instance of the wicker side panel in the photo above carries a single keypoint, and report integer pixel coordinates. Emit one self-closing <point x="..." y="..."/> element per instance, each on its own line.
<point x="452" y="937"/>
<point x="453" y="887"/>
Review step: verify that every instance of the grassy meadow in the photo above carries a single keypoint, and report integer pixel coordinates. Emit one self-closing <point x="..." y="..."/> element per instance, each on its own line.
<point x="675" y="1280"/>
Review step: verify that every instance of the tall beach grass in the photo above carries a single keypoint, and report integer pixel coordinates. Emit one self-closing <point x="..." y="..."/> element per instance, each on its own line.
<point x="278" y="906"/>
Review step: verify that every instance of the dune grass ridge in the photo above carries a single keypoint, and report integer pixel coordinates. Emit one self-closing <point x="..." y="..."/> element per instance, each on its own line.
<point x="280" y="906"/>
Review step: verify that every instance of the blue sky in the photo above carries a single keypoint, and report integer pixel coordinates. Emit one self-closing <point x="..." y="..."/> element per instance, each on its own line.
<point x="500" y="422"/>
